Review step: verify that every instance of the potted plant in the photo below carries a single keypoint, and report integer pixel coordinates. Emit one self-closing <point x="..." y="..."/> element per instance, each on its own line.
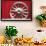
<point x="42" y="19"/>
<point x="11" y="31"/>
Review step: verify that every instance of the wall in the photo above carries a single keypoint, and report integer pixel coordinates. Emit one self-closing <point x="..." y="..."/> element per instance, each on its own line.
<point x="29" y="27"/>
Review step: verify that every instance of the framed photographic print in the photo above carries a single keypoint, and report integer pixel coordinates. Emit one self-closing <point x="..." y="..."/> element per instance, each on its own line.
<point x="16" y="10"/>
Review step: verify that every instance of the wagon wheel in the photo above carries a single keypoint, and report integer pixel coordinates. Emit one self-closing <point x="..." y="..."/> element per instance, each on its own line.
<point x="19" y="10"/>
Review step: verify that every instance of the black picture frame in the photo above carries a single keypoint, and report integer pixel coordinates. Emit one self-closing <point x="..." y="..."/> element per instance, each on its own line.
<point x="15" y="19"/>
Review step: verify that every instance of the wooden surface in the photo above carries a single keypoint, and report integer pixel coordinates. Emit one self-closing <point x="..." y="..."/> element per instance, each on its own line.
<point x="31" y="45"/>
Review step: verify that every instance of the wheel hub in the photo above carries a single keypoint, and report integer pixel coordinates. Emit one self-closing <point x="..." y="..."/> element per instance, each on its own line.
<point x="19" y="10"/>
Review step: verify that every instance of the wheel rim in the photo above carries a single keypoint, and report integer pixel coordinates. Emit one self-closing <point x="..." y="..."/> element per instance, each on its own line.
<point x="19" y="9"/>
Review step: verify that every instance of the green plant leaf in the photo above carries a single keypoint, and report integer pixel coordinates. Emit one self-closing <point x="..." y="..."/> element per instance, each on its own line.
<point x="40" y="18"/>
<point x="11" y="32"/>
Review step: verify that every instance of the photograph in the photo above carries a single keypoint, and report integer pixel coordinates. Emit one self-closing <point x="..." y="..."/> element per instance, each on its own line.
<point x="22" y="22"/>
<point x="16" y="10"/>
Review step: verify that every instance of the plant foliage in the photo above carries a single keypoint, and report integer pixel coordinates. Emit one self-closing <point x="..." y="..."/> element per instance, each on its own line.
<point x="11" y="31"/>
<point x="41" y="17"/>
